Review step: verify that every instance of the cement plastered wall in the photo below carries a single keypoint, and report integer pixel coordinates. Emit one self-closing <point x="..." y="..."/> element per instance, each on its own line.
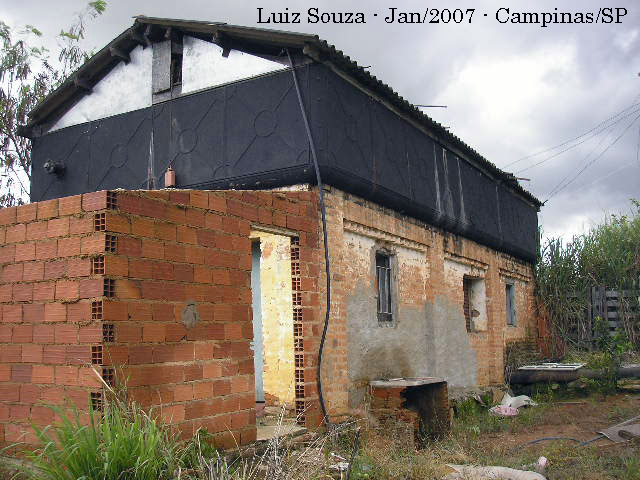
<point x="277" y="317"/>
<point x="428" y="336"/>
<point x="455" y="270"/>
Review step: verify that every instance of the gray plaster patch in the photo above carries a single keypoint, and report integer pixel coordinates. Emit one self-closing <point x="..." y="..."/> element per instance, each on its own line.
<point x="454" y="359"/>
<point x="190" y="315"/>
<point x="427" y="341"/>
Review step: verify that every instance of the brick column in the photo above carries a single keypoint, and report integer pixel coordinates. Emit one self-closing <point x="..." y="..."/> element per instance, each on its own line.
<point x="50" y="343"/>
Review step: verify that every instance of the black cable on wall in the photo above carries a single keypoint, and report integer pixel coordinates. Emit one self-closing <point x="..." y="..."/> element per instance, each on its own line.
<point x="323" y="211"/>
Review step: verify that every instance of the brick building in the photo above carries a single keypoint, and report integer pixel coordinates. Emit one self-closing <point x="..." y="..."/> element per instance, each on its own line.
<point x="211" y="295"/>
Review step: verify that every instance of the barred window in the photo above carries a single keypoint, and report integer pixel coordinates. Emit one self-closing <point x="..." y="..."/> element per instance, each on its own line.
<point x="383" y="287"/>
<point x="466" y="287"/>
<point x="510" y="294"/>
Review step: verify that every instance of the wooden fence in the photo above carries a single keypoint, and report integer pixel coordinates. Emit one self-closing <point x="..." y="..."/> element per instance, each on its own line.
<point x="620" y="308"/>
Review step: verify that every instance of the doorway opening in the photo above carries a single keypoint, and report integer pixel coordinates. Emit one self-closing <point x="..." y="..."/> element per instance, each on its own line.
<point x="274" y="341"/>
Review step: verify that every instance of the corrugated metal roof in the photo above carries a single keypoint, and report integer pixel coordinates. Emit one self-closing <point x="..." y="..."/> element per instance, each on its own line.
<point x="264" y="41"/>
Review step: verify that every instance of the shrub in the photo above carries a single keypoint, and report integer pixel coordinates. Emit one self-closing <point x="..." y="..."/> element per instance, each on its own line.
<point x="608" y="358"/>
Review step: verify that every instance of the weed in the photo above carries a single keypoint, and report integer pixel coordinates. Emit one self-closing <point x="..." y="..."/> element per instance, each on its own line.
<point x="121" y="443"/>
<point x="608" y="358"/>
<point x="124" y="443"/>
<point x="198" y="448"/>
<point x="545" y="392"/>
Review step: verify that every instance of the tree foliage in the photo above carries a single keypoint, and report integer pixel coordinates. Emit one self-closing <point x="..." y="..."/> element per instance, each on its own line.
<point x="28" y="75"/>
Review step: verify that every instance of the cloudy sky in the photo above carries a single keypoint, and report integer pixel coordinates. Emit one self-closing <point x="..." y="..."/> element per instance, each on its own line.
<point x="511" y="90"/>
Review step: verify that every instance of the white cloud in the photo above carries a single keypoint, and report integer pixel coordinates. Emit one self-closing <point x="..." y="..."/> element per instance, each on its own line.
<point x="505" y="93"/>
<point x="626" y="39"/>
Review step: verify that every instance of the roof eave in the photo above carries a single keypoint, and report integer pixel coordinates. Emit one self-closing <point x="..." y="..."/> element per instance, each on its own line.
<point x="100" y="63"/>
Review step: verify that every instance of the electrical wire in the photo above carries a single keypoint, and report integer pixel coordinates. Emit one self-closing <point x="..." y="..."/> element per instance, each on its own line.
<point x="580" y="443"/>
<point x="586" y="158"/>
<point x="613" y="172"/>
<point x="638" y="148"/>
<point x="557" y="154"/>
<point x="559" y="187"/>
<point x="323" y="211"/>
<point x="546" y="150"/>
<point x="546" y="439"/>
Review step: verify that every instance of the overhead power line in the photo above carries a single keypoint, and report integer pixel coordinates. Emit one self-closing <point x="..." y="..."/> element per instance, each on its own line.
<point x="611" y="173"/>
<point x="587" y="157"/>
<point x="567" y="142"/>
<point x="638" y="148"/>
<point x="561" y="186"/>
<point x="586" y="139"/>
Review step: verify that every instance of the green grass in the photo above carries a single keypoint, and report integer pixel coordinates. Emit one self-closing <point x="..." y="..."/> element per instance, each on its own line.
<point x="568" y="461"/>
<point x="124" y="443"/>
<point x="473" y="418"/>
<point x="479" y="438"/>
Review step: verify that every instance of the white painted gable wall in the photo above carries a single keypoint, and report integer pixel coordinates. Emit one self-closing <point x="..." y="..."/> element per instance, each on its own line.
<point x="123" y="89"/>
<point x="203" y="65"/>
<point x="128" y="87"/>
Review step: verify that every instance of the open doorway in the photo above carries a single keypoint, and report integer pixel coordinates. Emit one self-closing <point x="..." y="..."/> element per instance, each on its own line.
<point x="273" y="333"/>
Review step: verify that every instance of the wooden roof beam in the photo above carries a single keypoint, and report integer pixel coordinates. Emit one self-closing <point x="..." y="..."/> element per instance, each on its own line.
<point x="83" y="83"/>
<point x="116" y="52"/>
<point x="140" y="39"/>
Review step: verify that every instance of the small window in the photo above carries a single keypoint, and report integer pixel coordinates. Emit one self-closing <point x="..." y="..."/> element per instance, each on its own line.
<point x="510" y="294"/>
<point x="166" y="68"/>
<point x="176" y="68"/>
<point x="383" y="287"/>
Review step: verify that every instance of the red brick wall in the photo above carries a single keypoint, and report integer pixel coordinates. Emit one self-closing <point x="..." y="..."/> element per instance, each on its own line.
<point x="101" y="280"/>
<point x="104" y="278"/>
<point x="419" y="286"/>
<point x="46" y="330"/>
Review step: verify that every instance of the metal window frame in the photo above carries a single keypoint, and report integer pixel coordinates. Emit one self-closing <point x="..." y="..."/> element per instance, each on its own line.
<point x="510" y="303"/>
<point x="385" y="315"/>
<point x="467" y="284"/>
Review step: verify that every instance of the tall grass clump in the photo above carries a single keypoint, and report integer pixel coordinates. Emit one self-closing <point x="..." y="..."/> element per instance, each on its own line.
<point x="120" y="443"/>
<point x="606" y="256"/>
<point x="125" y="442"/>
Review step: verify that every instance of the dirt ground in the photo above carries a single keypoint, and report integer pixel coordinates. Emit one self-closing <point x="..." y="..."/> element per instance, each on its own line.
<point x="576" y="418"/>
<point x="479" y="438"/>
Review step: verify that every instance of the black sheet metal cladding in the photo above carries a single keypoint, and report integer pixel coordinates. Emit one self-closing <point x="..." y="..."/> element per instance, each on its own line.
<point x="250" y="135"/>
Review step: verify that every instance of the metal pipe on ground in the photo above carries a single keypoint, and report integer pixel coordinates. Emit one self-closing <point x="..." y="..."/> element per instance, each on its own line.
<point x="524" y="377"/>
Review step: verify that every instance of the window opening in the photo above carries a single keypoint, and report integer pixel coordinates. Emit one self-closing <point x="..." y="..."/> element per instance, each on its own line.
<point x="383" y="287"/>
<point x="473" y="305"/>
<point x="466" y="287"/>
<point x="510" y="294"/>
<point x="176" y="68"/>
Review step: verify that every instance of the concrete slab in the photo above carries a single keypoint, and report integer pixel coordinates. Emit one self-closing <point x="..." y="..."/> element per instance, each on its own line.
<point x="268" y="432"/>
<point x="405" y="382"/>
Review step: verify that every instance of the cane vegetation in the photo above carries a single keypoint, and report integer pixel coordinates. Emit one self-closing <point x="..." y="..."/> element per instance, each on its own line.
<point x="606" y="256"/>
